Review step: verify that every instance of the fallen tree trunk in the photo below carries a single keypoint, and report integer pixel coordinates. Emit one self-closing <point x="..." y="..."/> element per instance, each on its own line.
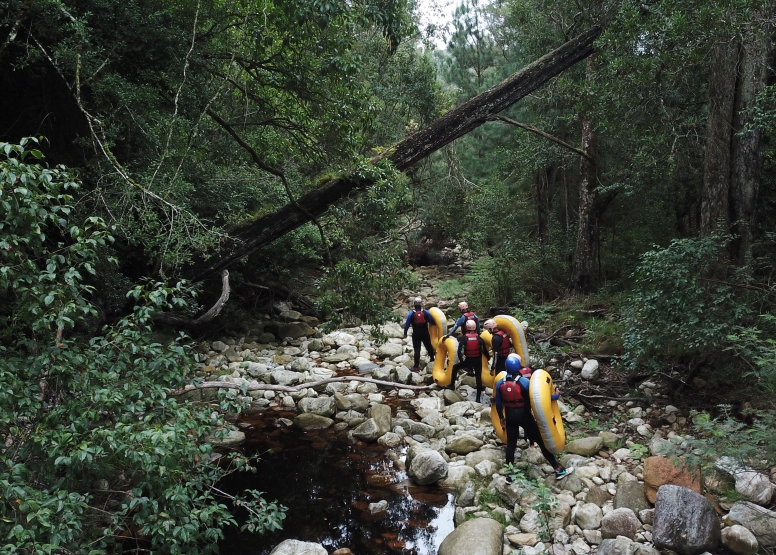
<point x="291" y="388"/>
<point x="454" y="124"/>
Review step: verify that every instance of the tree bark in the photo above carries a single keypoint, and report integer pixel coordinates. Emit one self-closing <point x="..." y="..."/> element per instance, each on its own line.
<point x="247" y="239"/>
<point x="583" y="275"/>
<point x="746" y="151"/>
<point x="716" y="166"/>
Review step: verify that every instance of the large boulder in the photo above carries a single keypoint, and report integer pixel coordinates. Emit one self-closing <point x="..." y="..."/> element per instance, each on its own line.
<point x="479" y="536"/>
<point x="759" y="520"/>
<point x="685" y="521"/>
<point x="296" y="547"/>
<point x="427" y="467"/>
<point x="659" y="471"/>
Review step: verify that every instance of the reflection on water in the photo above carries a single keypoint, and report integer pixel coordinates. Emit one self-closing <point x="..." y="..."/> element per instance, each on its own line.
<point x="327" y="485"/>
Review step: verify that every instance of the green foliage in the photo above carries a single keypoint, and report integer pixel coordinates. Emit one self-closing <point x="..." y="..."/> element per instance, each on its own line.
<point x="362" y="289"/>
<point x="544" y="500"/>
<point x="453" y="288"/>
<point x="96" y="449"/>
<point x="673" y="309"/>
<point x="756" y="346"/>
<point x="751" y="444"/>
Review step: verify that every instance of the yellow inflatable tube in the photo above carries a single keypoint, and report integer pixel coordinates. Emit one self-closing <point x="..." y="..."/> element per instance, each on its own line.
<point x="514" y="330"/>
<point x="546" y="411"/>
<point x="501" y="433"/>
<point x="439" y="329"/>
<point x="446" y="356"/>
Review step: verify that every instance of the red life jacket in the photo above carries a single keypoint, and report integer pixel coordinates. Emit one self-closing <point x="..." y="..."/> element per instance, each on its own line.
<point x="472" y="346"/>
<point x="419" y="317"/>
<point x="513" y="395"/>
<point x="506" y="344"/>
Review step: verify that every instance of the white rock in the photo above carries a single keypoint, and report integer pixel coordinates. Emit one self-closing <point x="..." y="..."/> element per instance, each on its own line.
<point x="590" y="370"/>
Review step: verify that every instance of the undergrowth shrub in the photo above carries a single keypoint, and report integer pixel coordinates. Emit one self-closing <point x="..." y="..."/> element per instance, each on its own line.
<point x="676" y="310"/>
<point x="96" y="447"/>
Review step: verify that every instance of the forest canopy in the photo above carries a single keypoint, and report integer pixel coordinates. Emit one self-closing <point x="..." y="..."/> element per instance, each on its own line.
<point x="140" y="138"/>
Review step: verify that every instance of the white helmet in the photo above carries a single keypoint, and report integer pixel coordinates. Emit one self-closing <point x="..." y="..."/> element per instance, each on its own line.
<point x="471" y="325"/>
<point x="417" y="300"/>
<point x="463" y="305"/>
<point x="490" y="325"/>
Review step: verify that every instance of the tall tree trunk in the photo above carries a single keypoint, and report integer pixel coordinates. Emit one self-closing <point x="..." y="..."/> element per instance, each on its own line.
<point x="746" y="151"/>
<point x="246" y="239"/>
<point x="719" y="132"/>
<point x="545" y="181"/>
<point x="583" y="273"/>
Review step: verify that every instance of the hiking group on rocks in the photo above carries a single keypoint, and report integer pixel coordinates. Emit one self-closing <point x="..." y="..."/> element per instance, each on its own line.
<point x="616" y="500"/>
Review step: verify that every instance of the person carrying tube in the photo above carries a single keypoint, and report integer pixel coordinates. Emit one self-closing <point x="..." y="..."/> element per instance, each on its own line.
<point x="501" y="346"/>
<point x="470" y="351"/>
<point x="420" y="319"/>
<point x="466" y="316"/>
<point x="513" y="405"/>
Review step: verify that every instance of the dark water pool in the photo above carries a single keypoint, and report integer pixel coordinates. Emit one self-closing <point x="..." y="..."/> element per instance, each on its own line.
<point x="327" y="485"/>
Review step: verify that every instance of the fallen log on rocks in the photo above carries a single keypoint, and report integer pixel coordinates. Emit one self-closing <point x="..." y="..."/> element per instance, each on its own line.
<point x="291" y="388"/>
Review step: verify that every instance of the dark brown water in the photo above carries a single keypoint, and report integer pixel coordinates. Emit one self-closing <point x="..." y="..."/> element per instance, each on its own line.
<point x="327" y="485"/>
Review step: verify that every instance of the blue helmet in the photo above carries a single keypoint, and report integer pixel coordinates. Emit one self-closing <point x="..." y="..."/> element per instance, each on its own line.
<point x="513" y="363"/>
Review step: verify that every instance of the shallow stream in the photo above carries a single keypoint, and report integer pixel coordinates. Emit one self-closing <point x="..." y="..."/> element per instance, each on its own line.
<point x="327" y="485"/>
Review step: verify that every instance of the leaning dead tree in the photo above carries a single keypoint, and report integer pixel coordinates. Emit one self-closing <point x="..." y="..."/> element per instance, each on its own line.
<point x="456" y="123"/>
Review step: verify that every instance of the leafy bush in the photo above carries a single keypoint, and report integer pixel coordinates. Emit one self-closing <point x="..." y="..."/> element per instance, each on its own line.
<point x="675" y="309"/>
<point x="96" y="449"/>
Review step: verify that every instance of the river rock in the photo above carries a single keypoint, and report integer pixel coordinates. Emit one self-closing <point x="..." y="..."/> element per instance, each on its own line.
<point x="322" y="406"/>
<point x="425" y="405"/>
<point x="586" y="446"/>
<point x="230" y="439"/>
<point x="479" y="536"/>
<point x="739" y="540"/>
<point x="368" y="431"/>
<point x="290" y="316"/>
<point x="415" y="428"/>
<point x="598" y="496"/>
<point x="381" y="414"/>
<point x="300" y="365"/>
<point x="463" y="444"/>
<point x="620" y="522"/>
<point x="659" y="471"/>
<point x="389" y="439"/>
<point x="427" y="467"/>
<point x="631" y="495"/>
<point x="685" y="521"/>
<point x="523" y="539"/>
<point x="296" y="547"/>
<point x="281" y="376"/>
<point x="759" y="520"/>
<point x="310" y="421"/>
<point x="754" y="486"/>
<point x="295" y="330"/>
<point x="590" y="370"/>
<point x="610" y="439"/>
<point x="458" y="476"/>
<point x="625" y="546"/>
<point x="589" y="516"/>
<point x="476" y="457"/>
<point x="350" y="417"/>
<point x="390" y="350"/>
